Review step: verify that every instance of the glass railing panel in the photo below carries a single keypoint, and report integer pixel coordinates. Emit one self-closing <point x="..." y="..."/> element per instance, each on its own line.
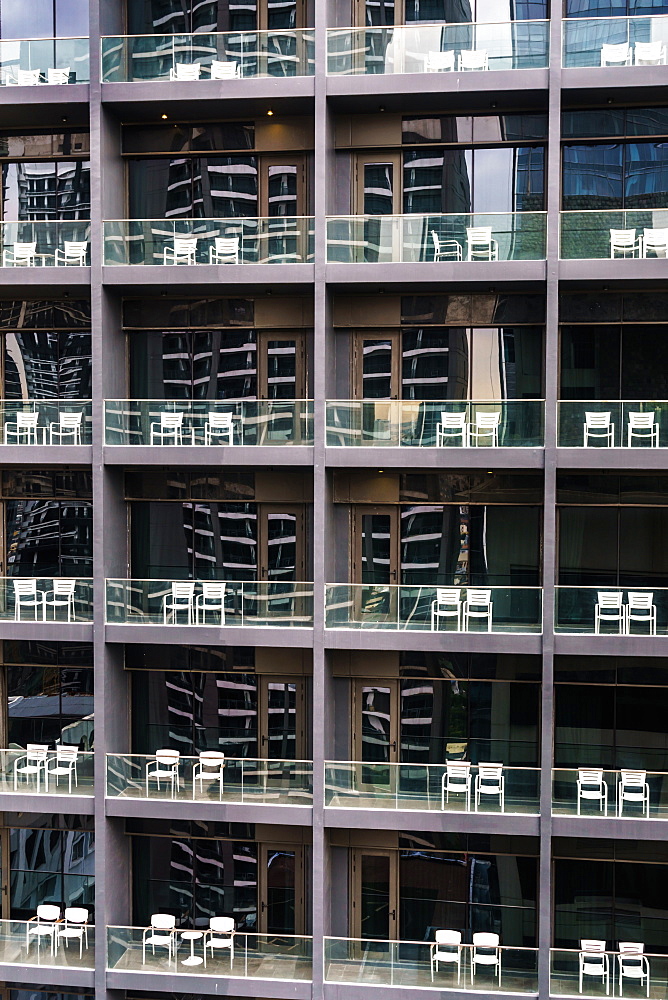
<point x="616" y="235"/>
<point x="45" y="244"/>
<point x="209" y="422"/>
<point x="280" y="240"/>
<point x="565" y="973"/>
<point x="615" y="41"/>
<point x="274" y="782"/>
<point x="29" y="62"/>
<point x="633" y="610"/>
<point x="46" y="421"/>
<point x="395" y="606"/>
<point x="46" y="599"/>
<point x="423" y="787"/>
<point x="408" y="963"/>
<point x="281" y="604"/>
<point x="610" y="793"/>
<point x="256" y="956"/>
<point x="220" y="55"/>
<point x="22" y="945"/>
<point x="380" y="239"/>
<point x="421" y="423"/>
<point x="641" y="423"/>
<point x="48" y="771"/>
<point x="438" y="48"/>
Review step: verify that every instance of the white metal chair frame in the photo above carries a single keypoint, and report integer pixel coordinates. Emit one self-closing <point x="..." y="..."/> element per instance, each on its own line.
<point x="445" y="249"/>
<point x="650" y="53"/>
<point x="210" y="766"/>
<point x="32" y="763"/>
<point x="633" y="964"/>
<point x="481" y="244"/>
<point x="625" y="242"/>
<point x="171" y="425"/>
<point x="182" y="251"/>
<point x="185" y="71"/>
<point x="640" y="601"/>
<point x="610" y="608"/>
<point x="61" y="596"/>
<point x="24" y="428"/>
<point x="225" y="250"/>
<point x="210" y="601"/>
<point x="73" y="927"/>
<point x="642" y="427"/>
<point x="440" y="62"/>
<point x="219" y="935"/>
<point x="486" y="951"/>
<point x="592" y="787"/>
<point x="633" y="787"/>
<point x="593" y="961"/>
<point x="482" y="601"/>
<point x="25" y="78"/>
<point x="225" y="70"/>
<point x="67" y="425"/>
<point x="26" y="595"/>
<point x="162" y="932"/>
<point x="656" y="241"/>
<point x="452" y="425"/>
<point x="615" y="55"/>
<point x="490" y="780"/>
<point x="456" y="780"/>
<point x="75" y="253"/>
<point x="599" y="427"/>
<point x="472" y="60"/>
<point x="20" y="255"/>
<point x="63" y="764"/>
<point x="43" y="924"/>
<point x="486" y="425"/>
<point x="219" y="424"/>
<point x="446" y="949"/>
<point x="448" y="604"/>
<point x="163" y="767"/>
<point x="181" y="599"/>
<point x="57" y="77"/>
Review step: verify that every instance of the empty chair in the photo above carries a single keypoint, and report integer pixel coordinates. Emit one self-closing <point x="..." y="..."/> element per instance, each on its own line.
<point x="74" y="927"/>
<point x="654" y="243"/>
<point x="650" y="53"/>
<point x="24" y="429"/>
<point x="593" y="961"/>
<point x="228" y="70"/>
<point x="599" y="428"/>
<point x="185" y="71"/>
<point x="486" y="951"/>
<point x="440" y="62"/>
<point x="632" y="787"/>
<point x="609" y="609"/>
<point x="456" y="780"/>
<point x="472" y="59"/>
<point x="211" y="602"/>
<point x="160" y="934"/>
<point x="451" y="427"/>
<point x="481" y="245"/>
<point x="31" y="764"/>
<point x="20" y="255"/>
<point x="25" y="78"/>
<point x="163" y="767"/>
<point x="75" y="253"/>
<point x="632" y="964"/>
<point x="43" y="926"/>
<point x="625" y="243"/>
<point x="642" y="427"/>
<point x="448" y="604"/>
<point x="169" y="430"/>
<point x="26" y="595"/>
<point x="641" y="609"/>
<point x="68" y="426"/>
<point x="57" y="77"/>
<point x="225" y="250"/>
<point x="209" y="767"/>
<point x="486" y="425"/>
<point x="220" y="935"/>
<point x="592" y="787"/>
<point x="447" y="950"/>
<point x="490" y="781"/>
<point x="445" y="249"/>
<point x="218" y="425"/>
<point x="180" y="601"/>
<point x="63" y="765"/>
<point x="616" y="55"/>
<point x="61" y="596"/>
<point x="478" y="604"/>
<point x="182" y="251"/>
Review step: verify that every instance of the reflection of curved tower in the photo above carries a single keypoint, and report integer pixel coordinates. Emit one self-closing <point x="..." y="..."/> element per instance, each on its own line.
<point x="50" y="191"/>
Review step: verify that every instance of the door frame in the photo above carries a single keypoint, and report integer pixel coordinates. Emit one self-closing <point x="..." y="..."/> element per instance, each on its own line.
<point x="358" y="339"/>
<point x="263" y="682"/>
<point x="263" y="15"/>
<point x="358" y="706"/>
<point x="361" y="159"/>
<point x="357" y="853"/>
<point x="263" y="337"/>
<point x="267" y="160"/>
<point x="264" y="850"/>
<point x="359" y="511"/>
<point x="264" y="510"/>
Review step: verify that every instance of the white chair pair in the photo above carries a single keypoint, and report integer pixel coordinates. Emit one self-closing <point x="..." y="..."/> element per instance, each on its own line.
<point x="651" y="243"/>
<point x="28" y="597"/>
<point x="611" y="610"/>
<point x="209" y="767"/>
<point x="599" y="427"/>
<point x="447" y="950"/>
<point x="182" y="601"/>
<point x="449" y="603"/>
<point x="480" y="245"/>
<point x="164" y="767"/>
<point x="485" y="429"/>
<point x="169" y="430"/>
<point x="225" y="250"/>
<point x="640" y="54"/>
<point x="489" y="781"/>
<point x="219" y="70"/>
<point x="32" y="77"/>
<point x="594" y="961"/>
<point x="74" y="253"/>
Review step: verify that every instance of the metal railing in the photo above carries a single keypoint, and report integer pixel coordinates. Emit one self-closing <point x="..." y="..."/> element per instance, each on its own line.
<point x="566" y="980"/>
<point x="615" y="41"/>
<point x="21" y="944"/>
<point x="594" y="234"/>
<point x="40" y="421"/>
<point x="607" y="610"/>
<point x="603" y="423"/>
<point x="45" y="244"/>
<point x="631" y="793"/>
<point x="56" y="600"/>
<point x="29" y="62"/>
<point x="65" y="770"/>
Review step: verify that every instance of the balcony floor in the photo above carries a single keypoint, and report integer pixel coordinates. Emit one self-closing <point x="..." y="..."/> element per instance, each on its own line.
<point x="246" y="965"/>
<point x="232" y="793"/>
<point x="516" y="805"/>
<point x="373" y="971"/>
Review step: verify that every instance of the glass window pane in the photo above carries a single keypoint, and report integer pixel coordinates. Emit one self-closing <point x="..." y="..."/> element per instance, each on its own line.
<point x="588" y="546"/>
<point x="646" y="175"/>
<point x="590" y="362"/>
<point x="592" y="177"/>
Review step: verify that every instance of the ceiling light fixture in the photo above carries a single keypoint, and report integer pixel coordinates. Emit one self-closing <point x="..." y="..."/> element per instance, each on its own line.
<point x="270" y="113"/>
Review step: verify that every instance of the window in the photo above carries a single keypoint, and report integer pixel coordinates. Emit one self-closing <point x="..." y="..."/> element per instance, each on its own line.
<point x="52" y="865"/>
<point x="44" y="19"/>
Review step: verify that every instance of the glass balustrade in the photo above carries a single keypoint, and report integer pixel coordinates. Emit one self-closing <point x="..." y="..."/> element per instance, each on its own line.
<point x="600" y="423"/>
<point x="380" y="239"/>
<point x="37" y="770"/>
<point x="254" y="956"/>
<point x="615" y="41"/>
<point x="434" y="608"/>
<point x="438" y="48"/>
<point x="46" y="421"/>
<point x="212" y="778"/>
<point x="220" y="55"/>
<point x="435" y="424"/>
<point x="45" y="244"/>
<point x="629" y="793"/>
<point x="29" y="62"/>
<point x="409" y="964"/>
<point x="238" y="422"/>
<point x="55" y="945"/>
<point x="566" y="965"/>
<point x="281" y="604"/>
<point x="46" y="599"/>
<point x="616" y="235"/>
<point x="177" y="242"/>
<point x="634" y="610"/>
<point x="428" y="787"/>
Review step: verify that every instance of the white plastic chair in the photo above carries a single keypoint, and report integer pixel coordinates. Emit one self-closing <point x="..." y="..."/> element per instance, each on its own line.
<point x="490" y="781"/>
<point x="211" y="602"/>
<point x="185" y="71"/>
<point x="75" y="253"/>
<point x="218" y="424"/>
<point x="650" y="53"/>
<point x="487" y="952"/>
<point x="164" y="767"/>
<point x="43" y="925"/>
<point x="633" y="964"/>
<point x="220" y="935"/>
<point x="625" y="243"/>
<point x="20" y="255"/>
<point x="31" y="764"/>
<point x="632" y="787"/>
<point x="221" y="70"/>
<point x="642" y="427"/>
<point x="593" y="961"/>
<point x="57" y="77"/>
<point x="478" y="604"/>
<point x="486" y="425"/>
<point x="472" y="59"/>
<point x="440" y="62"/>
<point x="599" y="427"/>
<point x="23" y="428"/>
<point x="25" y="78"/>
<point x="640" y="608"/>
<point x="73" y="928"/>
<point x="170" y="426"/>
<point x="209" y="767"/>
<point x="481" y="245"/>
<point x="161" y="934"/>
<point x="592" y="787"/>
<point x="446" y="949"/>
<point x="26" y="595"/>
<point x="62" y="596"/>
<point x="180" y="601"/>
<point x="451" y="427"/>
<point x="182" y="251"/>
<point x="64" y="765"/>
<point x="616" y="55"/>
<point x="445" y="249"/>
<point x="225" y="250"/>
<point x="456" y="780"/>
<point x="67" y="425"/>
<point x="448" y="604"/>
<point x="656" y="241"/>
<point x="610" y="609"/>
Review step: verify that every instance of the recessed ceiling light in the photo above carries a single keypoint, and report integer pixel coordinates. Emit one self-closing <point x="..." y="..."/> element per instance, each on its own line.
<point x="270" y="112"/>
<point x="163" y="117"/>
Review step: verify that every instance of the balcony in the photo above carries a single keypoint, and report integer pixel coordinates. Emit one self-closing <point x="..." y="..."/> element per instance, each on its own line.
<point x="40" y="771"/>
<point x="211" y="778"/>
<point x="614" y="235"/>
<point x="470" y="610"/>
<point x="45" y="244"/>
<point x="409" y="964"/>
<point x="432" y="787"/>
<point x="56" y="600"/>
<point x="236" y="423"/>
<point x="615" y="41"/>
<point x="22" y="945"/>
<point x="565" y="974"/>
<point x="222" y="56"/>
<point x="209" y="241"/>
<point x="597" y="792"/>
<point x="46" y="421"/>
<point x="619" y="424"/>
<point x="381" y="239"/>
<point x="636" y="611"/>
<point x="452" y="424"/>
<point x="200" y="603"/>
<point x="438" y="48"/>
<point x="29" y="62"/>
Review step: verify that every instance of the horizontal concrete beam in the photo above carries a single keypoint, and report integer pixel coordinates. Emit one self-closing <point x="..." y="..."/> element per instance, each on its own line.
<point x="222" y="812"/>
<point x="42" y="456"/>
<point x="60" y="631"/>
<point x="462" y="642"/>
<point x="282" y="456"/>
<point x="609" y="827"/>
<point x="445" y="274"/>
<point x="433" y="821"/>
<point x="221" y="277"/>
<point x="46" y="802"/>
<point x="55" y="976"/>
<point x="211" y="635"/>
<point x="373" y="457"/>
<point x="184" y="982"/>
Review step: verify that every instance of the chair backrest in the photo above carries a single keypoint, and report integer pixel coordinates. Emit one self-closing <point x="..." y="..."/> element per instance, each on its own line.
<point x="64" y="588"/>
<point x="76" y="914"/>
<point x="27" y="420"/>
<point x="25" y="588"/>
<point x="222" y="925"/>
<point x="633" y="779"/>
<point x="58" y="75"/>
<point x="212" y="759"/>
<point x="220" y="420"/>
<point x="24" y="251"/>
<point x="163" y="922"/>
<point x="70" y="420"/>
<point x="458" y="770"/>
<point x="592" y="946"/>
<point x="641" y="600"/>
<point x="650" y="52"/>
<point x="224" y="70"/>
<point x="27" y="77"/>
<point x="187" y="71"/>
<point x="227" y="245"/>
<point x="655" y="238"/>
<point x="448" y="595"/>
<point x="623" y="239"/>
<point x="48" y="911"/>
<point x="183" y="590"/>
<point x="185" y="245"/>
<point x="171" y="421"/>
<point x="614" y="53"/>
<point x="641" y="420"/>
<point x="167" y="756"/>
<point x="67" y="753"/>
<point x="598" y="421"/>
<point x="488" y="420"/>
<point x="213" y="590"/>
<point x="490" y="772"/>
<point x="453" y="420"/>
<point x="440" y="61"/>
<point x="479" y="597"/>
<point x="473" y="58"/>
<point x="36" y="751"/>
<point x="485" y="939"/>
<point x="448" y="937"/>
<point x="590" y="776"/>
<point x="436" y="241"/>
<point x="611" y="599"/>
<point x="631" y="948"/>
<point x="479" y="234"/>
